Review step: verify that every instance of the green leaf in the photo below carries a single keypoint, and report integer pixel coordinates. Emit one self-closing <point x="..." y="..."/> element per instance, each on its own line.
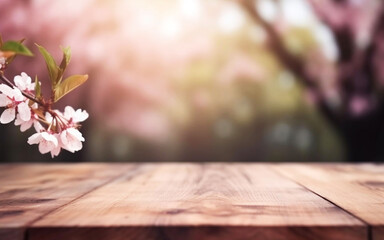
<point x="52" y="67"/>
<point x="64" y="63"/>
<point x="59" y="77"/>
<point x="66" y="57"/>
<point x="68" y="85"/>
<point x="16" y="47"/>
<point x="37" y="88"/>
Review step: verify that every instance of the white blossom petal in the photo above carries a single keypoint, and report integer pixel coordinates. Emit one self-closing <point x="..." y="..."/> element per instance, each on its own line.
<point x="8" y="115"/>
<point x="24" y="111"/>
<point x="55" y="152"/>
<point x="47" y="142"/>
<point x="24" y="82"/>
<point x="5" y="89"/>
<point x="45" y="146"/>
<point x="80" y="116"/>
<point x="76" y="116"/>
<point x="34" y="139"/>
<point x="17" y="95"/>
<point x="76" y="134"/>
<point x="26" y="125"/>
<point x="48" y="117"/>
<point x="69" y="112"/>
<point x="18" y="120"/>
<point x="71" y="140"/>
<point x="76" y="146"/>
<point x="19" y="82"/>
<point x="4" y="100"/>
<point x="50" y="138"/>
<point x="64" y="138"/>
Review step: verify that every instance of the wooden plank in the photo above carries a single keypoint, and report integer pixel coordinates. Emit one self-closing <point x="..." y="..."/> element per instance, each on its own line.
<point x="200" y="201"/>
<point x="359" y="189"/>
<point x="29" y="191"/>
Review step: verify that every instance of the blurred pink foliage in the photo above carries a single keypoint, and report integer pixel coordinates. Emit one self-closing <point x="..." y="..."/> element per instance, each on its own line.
<point x="131" y="55"/>
<point x="149" y="61"/>
<point x="358" y="15"/>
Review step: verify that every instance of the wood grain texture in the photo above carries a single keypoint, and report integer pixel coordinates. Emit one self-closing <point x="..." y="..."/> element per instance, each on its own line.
<point x="29" y="191"/>
<point x="199" y="201"/>
<point x="359" y="189"/>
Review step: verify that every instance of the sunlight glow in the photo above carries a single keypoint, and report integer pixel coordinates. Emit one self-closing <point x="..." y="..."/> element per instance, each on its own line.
<point x="231" y="19"/>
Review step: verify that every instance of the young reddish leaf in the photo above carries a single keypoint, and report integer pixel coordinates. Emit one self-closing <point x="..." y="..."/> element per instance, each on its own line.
<point x="7" y="54"/>
<point x="16" y="47"/>
<point x="1" y="41"/>
<point x="51" y="65"/>
<point x="68" y="85"/>
<point x="37" y="88"/>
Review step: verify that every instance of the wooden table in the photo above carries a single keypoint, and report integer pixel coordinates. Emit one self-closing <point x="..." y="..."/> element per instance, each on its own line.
<point x="173" y="201"/>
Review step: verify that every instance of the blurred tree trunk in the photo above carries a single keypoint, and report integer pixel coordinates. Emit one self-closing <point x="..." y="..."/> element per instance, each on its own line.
<point x="353" y="102"/>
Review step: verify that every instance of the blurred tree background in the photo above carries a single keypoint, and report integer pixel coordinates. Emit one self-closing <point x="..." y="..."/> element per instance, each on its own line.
<point x="218" y="80"/>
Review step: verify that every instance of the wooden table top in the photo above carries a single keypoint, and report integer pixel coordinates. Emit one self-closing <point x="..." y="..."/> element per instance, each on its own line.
<point x="172" y="201"/>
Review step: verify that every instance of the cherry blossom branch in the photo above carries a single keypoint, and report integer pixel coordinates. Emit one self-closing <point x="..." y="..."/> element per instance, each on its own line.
<point x="293" y="63"/>
<point x="9" y="83"/>
<point x="24" y="103"/>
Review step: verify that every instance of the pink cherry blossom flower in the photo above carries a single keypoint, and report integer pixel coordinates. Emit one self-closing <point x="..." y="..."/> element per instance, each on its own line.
<point x="47" y="142"/>
<point x="24" y="82"/>
<point x="25" y="125"/>
<point x="13" y="99"/>
<point x="71" y="139"/>
<point x="75" y="116"/>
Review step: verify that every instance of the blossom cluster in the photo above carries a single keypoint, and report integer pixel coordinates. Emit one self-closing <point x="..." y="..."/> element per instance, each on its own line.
<point x="25" y="104"/>
<point x="55" y="130"/>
